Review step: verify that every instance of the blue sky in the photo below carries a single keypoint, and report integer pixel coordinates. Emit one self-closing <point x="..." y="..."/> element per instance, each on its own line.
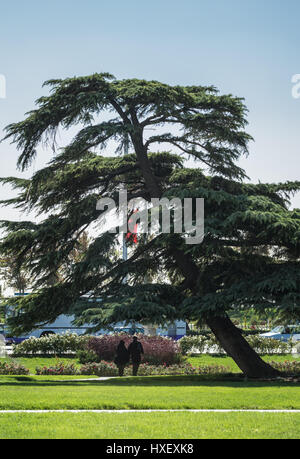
<point x="249" y="48"/>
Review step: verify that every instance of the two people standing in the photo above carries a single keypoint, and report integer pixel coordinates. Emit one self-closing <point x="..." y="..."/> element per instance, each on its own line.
<point x="134" y="352"/>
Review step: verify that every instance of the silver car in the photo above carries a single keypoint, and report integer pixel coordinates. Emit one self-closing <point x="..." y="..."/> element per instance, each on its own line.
<point x="284" y="333"/>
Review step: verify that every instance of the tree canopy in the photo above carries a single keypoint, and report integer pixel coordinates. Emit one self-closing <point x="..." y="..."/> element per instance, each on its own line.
<point x="250" y="253"/>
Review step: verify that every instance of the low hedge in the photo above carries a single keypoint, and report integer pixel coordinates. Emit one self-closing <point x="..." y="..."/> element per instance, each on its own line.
<point x="262" y="345"/>
<point x="90" y="348"/>
<point x="207" y="333"/>
<point x="253" y="332"/>
<point x="12" y="368"/>
<point x="51" y="345"/>
<point x="200" y="344"/>
<point x="291" y="367"/>
<point x="59" y="369"/>
<point x="157" y="348"/>
<point x="109" y="369"/>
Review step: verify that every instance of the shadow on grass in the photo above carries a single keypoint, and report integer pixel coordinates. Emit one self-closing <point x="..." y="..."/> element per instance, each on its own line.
<point x="230" y="380"/>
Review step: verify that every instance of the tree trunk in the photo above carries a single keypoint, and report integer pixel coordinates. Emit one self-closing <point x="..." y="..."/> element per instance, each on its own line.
<point x="227" y="334"/>
<point x="238" y="348"/>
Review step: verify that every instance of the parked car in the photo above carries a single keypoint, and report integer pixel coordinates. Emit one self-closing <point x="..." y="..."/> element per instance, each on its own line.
<point x="129" y="330"/>
<point x="63" y="324"/>
<point x="2" y="333"/>
<point x="284" y="333"/>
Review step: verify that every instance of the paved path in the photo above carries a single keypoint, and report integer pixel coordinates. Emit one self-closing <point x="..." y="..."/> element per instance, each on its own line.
<point x="148" y="411"/>
<point x="102" y="378"/>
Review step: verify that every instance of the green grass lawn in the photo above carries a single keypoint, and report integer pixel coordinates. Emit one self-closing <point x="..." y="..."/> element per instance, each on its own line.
<point x="150" y="426"/>
<point x="207" y="359"/>
<point x="169" y="392"/>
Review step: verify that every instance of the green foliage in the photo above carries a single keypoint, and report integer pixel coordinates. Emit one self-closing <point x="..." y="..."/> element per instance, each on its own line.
<point x="157" y="349"/>
<point x="51" y="344"/>
<point x="101" y="368"/>
<point x="59" y="369"/>
<point x="206" y="117"/>
<point x="110" y="369"/>
<point x="84" y="356"/>
<point x="13" y="274"/>
<point x="12" y="368"/>
<point x="262" y="345"/>
<point x="2" y="313"/>
<point x="190" y="344"/>
<point x="250" y="254"/>
<point x="290" y="367"/>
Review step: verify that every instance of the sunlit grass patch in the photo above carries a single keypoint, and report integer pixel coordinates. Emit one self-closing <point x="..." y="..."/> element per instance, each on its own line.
<point x="150" y="425"/>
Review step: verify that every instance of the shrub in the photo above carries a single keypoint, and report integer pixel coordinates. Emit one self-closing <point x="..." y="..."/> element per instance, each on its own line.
<point x="297" y="345"/>
<point x="12" y="368"/>
<point x="60" y="368"/>
<point x="100" y="369"/>
<point x="263" y="345"/>
<point x="289" y="366"/>
<point x="200" y="344"/>
<point x="110" y="369"/>
<point x="85" y="356"/>
<point x="214" y="345"/>
<point x="197" y="333"/>
<point x="190" y="344"/>
<point x="157" y="348"/>
<point x="253" y="332"/>
<point x="51" y="344"/>
<point x="186" y="369"/>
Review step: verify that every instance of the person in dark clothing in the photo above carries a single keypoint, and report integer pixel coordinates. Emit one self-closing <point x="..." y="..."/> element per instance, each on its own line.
<point x="135" y="351"/>
<point x="122" y="357"/>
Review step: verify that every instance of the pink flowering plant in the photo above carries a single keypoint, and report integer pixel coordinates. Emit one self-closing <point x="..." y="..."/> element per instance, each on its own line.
<point x="289" y="366"/>
<point x="157" y="349"/>
<point x="59" y="369"/>
<point x="105" y="368"/>
<point x="102" y="368"/>
<point x="12" y="368"/>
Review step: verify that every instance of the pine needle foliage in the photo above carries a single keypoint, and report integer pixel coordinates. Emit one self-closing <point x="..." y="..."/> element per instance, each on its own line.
<point x="250" y="254"/>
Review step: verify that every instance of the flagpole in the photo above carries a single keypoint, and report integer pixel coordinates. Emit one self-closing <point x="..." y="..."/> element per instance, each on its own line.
<point x="125" y="248"/>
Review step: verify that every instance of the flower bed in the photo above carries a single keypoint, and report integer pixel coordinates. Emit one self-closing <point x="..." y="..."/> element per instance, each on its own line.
<point x="110" y="369"/>
<point x="100" y="369"/>
<point x="59" y="369"/>
<point x="12" y="368"/>
<point x="157" y="348"/>
<point x="289" y="366"/>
